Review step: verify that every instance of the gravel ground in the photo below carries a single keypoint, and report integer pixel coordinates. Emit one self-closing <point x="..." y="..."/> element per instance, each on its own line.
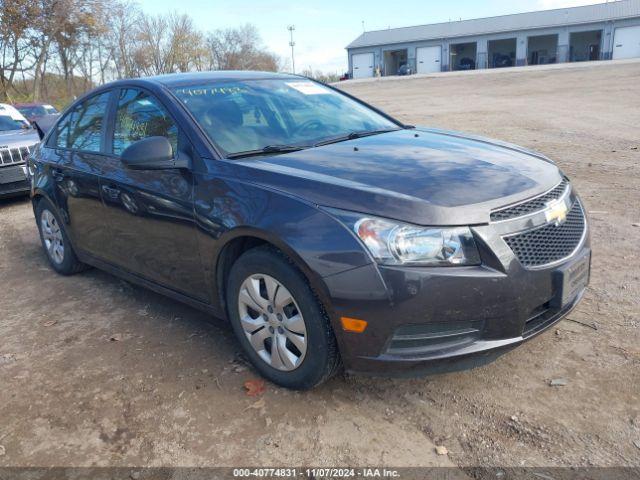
<point x="95" y="371"/>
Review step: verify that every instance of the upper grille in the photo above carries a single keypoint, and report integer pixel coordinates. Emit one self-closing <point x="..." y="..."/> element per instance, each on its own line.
<point x="549" y="243"/>
<point x="10" y="156"/>
<point x="538" y="203"/>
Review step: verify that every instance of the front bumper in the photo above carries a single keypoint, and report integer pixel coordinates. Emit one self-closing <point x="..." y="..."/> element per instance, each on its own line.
<point x="470" y="355"/>
<point x="430" y="320"/>
<point x="13" y="180"/>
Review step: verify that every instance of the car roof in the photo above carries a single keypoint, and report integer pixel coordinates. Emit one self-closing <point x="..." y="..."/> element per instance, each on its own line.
<point x="10" y="111"/>
<point x="193" y="78"/>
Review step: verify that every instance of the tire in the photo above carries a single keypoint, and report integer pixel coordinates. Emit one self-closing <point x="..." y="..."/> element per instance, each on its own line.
<point x="268" y="317"/>
<point x="55" y="241"/>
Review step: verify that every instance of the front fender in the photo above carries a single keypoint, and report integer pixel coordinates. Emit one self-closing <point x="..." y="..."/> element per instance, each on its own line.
<point x="227" y="209"/>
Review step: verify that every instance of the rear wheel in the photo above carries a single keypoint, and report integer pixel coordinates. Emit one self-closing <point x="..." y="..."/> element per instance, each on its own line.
<point x="55" y="241"/>
<point x="279" y="322"/>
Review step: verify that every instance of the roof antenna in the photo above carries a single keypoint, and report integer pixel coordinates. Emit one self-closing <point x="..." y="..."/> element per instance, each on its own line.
<point x="363" y="30"/>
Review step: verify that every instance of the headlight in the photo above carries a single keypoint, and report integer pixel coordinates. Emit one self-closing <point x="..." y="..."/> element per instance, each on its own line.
<point x="394" y="243"/>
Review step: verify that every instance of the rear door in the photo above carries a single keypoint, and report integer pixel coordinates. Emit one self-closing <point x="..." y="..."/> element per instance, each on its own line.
<point x="428" y="59"/>
<point x="77" y="161"/>
<point x="151" y="212"/>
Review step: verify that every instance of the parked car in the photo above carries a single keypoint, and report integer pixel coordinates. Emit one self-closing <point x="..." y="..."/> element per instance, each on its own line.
<point x="502" y="61"/>
<point x="17" y="140"/>
<point x="404" y="70"/>
<point x="467" y="63"/>
<point x="34" y="111"/>
<point x="324" y="230"/>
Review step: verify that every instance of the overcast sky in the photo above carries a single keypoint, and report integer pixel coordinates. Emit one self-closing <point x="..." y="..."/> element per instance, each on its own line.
<point x="325" y="27"/>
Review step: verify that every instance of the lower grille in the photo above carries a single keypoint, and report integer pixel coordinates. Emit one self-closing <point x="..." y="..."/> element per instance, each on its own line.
<point x="12" y="174"/>
<point x="540" y="318"/>
<point x="10" y="189"/>
<point x="428" y="337"/>
<point x="550" y="243"/>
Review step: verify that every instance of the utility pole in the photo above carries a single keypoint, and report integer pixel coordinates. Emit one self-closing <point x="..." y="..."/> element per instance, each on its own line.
<point x="292" y="44"/>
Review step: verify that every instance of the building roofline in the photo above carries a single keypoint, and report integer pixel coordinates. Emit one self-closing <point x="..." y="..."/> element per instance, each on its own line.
<point x="482" y="32"/>
<point x="490" y="17"/>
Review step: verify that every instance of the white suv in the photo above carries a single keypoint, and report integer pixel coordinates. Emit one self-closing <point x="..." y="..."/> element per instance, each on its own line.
<point x="17" y="140"/>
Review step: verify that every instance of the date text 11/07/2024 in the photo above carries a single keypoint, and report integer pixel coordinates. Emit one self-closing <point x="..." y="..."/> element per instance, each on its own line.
<point x="315" y="473"/>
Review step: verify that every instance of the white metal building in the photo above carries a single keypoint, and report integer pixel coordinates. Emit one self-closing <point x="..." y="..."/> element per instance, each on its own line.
<point x="595" y="32"/>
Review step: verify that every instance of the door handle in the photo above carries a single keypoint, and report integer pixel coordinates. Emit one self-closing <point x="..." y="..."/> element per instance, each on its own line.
<point x="57" y="175"/>
<point x="112" y="193"/>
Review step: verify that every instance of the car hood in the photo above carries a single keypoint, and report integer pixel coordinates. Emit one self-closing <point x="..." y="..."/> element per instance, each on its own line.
<point x="422" y="176"/>
<point x="18" y="138"/>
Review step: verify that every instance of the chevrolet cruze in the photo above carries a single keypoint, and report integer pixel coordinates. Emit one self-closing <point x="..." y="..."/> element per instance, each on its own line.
<point x="325" y="231"/>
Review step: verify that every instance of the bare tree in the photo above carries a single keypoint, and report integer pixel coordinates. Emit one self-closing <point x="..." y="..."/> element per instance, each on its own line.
<point x="46" y="24"/>
<point x="61" y="48"/>
<point x="321" y="76"/>
<point x="186" y="44"/>
<point x="150" y="54"/>
<point x="122" y="25"/>
<point x="240" y="49"/>
<point x="77" y="36"/>
<point x="166" y="44"/>
<point x="15" y="41"/>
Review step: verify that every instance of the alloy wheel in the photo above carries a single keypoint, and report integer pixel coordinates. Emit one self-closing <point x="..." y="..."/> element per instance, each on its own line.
<point x="52" y="236"/>
<point x="272" y="322"/>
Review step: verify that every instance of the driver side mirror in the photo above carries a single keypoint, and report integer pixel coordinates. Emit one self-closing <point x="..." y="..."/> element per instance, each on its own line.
<point x="151" y="153"/>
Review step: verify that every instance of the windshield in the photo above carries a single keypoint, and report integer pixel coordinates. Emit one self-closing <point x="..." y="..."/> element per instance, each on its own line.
<point x="8" y="123"/>
<point x="249" y="115"/>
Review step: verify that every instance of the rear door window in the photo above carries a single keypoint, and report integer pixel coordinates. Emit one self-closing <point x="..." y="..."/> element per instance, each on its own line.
<point x="81" y="129"/>
<point x="61" y="138"/>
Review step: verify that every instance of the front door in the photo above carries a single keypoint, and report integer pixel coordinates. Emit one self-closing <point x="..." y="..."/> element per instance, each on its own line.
<point x="150" y="212"/>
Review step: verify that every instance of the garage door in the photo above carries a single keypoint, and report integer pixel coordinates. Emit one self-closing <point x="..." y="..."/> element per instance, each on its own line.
<point x="363" y="65"/>
<point x="428" y="59"/>
<point x="626" y="43"/>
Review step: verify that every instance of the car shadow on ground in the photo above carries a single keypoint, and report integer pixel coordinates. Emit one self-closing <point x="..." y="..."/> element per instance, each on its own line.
<point x="13" y="201"/>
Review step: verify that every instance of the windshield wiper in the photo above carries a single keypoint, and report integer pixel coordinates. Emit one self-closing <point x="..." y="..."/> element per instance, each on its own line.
<point x="354" y="135"/>
<point x="295" y="148"/>
<point x="267" y="150"/>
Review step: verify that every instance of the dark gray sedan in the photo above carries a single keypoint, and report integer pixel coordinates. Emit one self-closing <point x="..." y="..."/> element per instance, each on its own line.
<point x="325" y="231"/>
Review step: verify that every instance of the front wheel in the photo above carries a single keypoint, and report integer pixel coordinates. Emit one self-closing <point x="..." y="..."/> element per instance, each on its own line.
<point x="279" y="322"/>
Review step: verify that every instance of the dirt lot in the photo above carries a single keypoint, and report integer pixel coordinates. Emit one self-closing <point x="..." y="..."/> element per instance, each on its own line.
<point x="168" y="389"/>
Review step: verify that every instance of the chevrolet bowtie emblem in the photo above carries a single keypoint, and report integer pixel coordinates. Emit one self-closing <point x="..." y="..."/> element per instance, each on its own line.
<point x="556" y="212"/>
